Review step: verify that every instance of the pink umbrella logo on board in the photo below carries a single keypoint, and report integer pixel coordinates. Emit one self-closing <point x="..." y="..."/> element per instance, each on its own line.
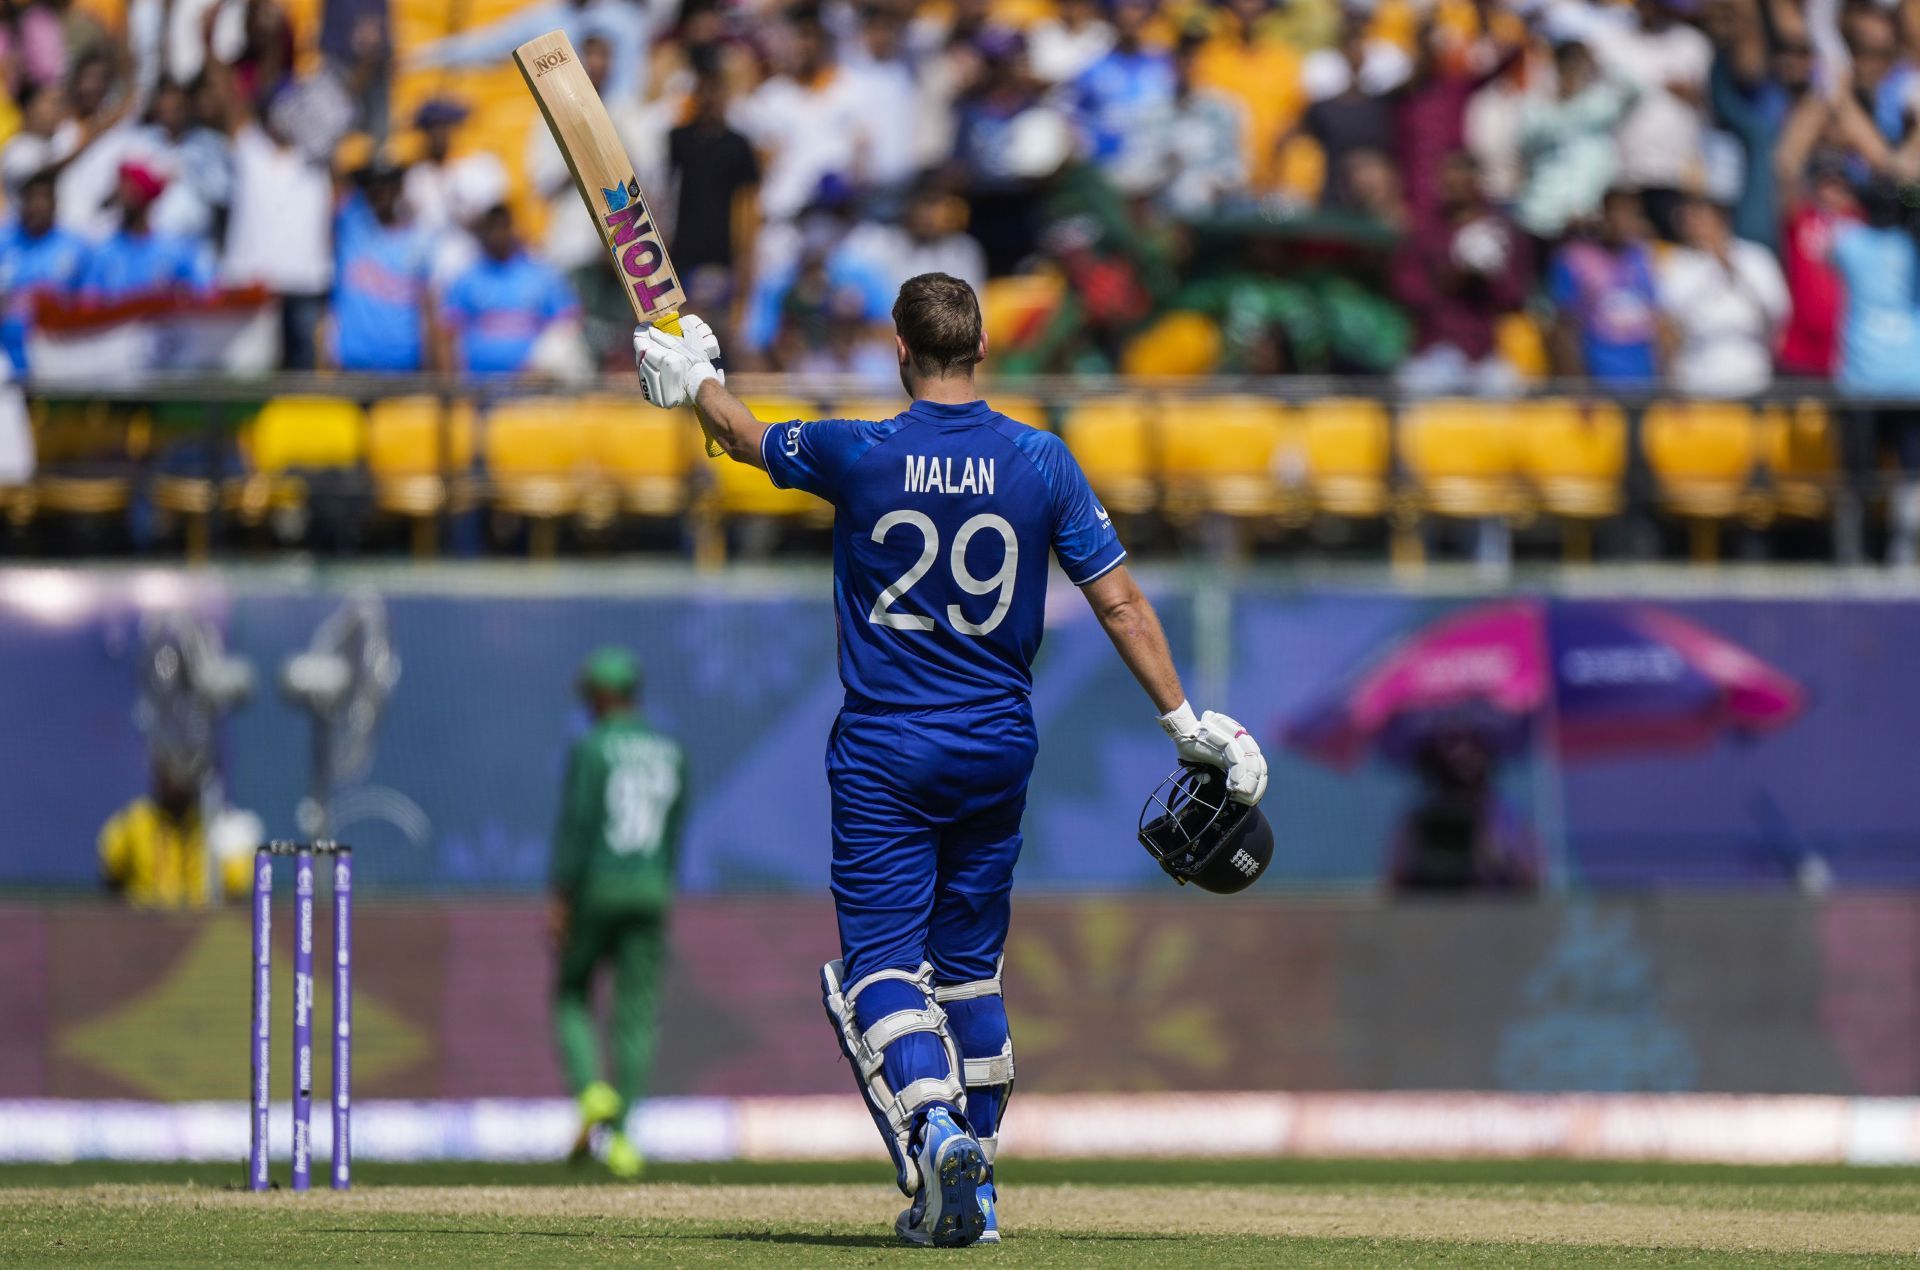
<point x="1575" y="679"/>
<point x="1603" y="678"/>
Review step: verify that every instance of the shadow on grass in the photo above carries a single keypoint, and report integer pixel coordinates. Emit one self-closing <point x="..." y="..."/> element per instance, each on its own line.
<point x="722" y="1236"/>
<point x="487" y="1234"/>
<point x="736" y="1236"/>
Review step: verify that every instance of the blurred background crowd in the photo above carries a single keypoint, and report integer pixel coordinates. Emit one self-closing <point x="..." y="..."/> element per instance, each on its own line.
<point x="1649" y="210"/>
<point x="1463" y="193"/>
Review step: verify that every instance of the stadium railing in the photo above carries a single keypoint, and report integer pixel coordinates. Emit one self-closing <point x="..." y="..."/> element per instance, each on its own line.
<point x="1221" y="462"/>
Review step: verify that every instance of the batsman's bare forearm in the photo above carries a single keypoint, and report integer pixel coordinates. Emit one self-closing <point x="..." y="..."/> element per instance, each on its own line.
<point x="730" y="423"/>
<point x="1134" y="628"/>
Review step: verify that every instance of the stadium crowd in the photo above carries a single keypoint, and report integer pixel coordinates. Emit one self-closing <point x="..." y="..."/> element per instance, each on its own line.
<point x="1463" y="193"/>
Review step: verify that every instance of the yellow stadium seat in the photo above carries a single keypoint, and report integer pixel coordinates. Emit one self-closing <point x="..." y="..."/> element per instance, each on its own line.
<point x="1021" y="409"/>
<point x="292" y="435"/>
<point x="648" y="456"/>
<point x="409" y="436"/>
<point x="740" y="489"/>
<point x="538" y="463"/>
<point x="1345" y="451"/>
<point x="419" y="451"/>
<point x="85" y="452"/>
<point x="1112" y="438"/>
<point x="1702" y="455"/>
<point x="306" y="432"/>
<point x="1221" y="454"/>
<point x="1801" y="449"/>
<point x="1574" y="456"/>
<point x="1462" y="457"/>
<point x="866" y="408"/>
<point x="1575" y="459"/>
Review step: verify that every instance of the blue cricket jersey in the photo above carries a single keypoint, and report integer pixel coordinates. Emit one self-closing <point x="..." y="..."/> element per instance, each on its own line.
<point x="499" y="307"/>
<point x="945" y="515"/>
<point x="380" y="278"/>
<point x="126" y="264"/>
<point x="30" y="267"/>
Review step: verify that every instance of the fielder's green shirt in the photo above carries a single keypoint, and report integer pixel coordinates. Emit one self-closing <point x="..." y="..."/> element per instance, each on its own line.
<point x="620" y="820"/>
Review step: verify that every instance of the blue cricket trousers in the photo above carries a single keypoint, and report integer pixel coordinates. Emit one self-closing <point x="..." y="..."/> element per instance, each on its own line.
<point x="926" y="830"/>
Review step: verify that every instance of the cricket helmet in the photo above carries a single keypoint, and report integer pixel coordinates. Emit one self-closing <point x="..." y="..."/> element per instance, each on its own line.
<point x="1200" y="835"/>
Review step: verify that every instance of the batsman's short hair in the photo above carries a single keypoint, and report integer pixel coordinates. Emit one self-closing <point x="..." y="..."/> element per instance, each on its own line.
<point x="939" y="318"/>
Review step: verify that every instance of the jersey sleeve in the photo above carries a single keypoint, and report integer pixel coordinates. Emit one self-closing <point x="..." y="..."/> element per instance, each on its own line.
<point x="812" y="456"/>
<point x="1083" y="537"/>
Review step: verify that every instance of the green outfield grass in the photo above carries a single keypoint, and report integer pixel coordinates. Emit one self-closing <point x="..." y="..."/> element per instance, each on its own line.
<point x="1189" y="1213"/>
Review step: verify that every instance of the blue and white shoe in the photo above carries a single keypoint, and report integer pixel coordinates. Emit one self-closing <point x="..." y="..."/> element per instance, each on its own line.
<point x="989" y="1211"/>
<point x="946" y="1212"/>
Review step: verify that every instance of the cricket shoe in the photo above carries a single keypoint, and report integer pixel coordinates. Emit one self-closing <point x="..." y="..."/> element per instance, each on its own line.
<point x="599" y="1106"/>
<point x="989" y="1211"/>
<point x="946" y="1211"/>
<point x="624" y="1160"/>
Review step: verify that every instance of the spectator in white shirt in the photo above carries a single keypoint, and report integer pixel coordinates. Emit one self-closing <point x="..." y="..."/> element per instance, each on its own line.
<point x="1062" y="46"/>
<point x="473" y="190"/>
<point x="1660" y="139"/>
<point x="280" y="231"/>
<point x="807" y="121"/>
<point x="1721" y="301"/>
<point x="195" y="160"/>
<point x="432" y="177"/>
<point x="881" y="77"/>
<point x="48" y="137"/>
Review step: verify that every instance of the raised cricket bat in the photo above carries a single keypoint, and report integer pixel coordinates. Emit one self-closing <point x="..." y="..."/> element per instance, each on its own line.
<point x="603" y="175"/>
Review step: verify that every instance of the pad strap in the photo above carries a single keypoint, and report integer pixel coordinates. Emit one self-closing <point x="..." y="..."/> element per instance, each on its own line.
<point x="997" y="1070"/>
<point x="967" y="991"/>
<point x="896" y="1109"/>
<point x="990" y="1078"/>
<point x="890" y="1028"/>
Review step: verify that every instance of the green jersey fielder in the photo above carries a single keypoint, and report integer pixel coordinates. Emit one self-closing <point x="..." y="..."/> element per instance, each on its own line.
<point x="613" y="872"/>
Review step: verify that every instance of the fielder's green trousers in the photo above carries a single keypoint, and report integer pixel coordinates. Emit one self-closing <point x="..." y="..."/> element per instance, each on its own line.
<point x="635" y="942"/>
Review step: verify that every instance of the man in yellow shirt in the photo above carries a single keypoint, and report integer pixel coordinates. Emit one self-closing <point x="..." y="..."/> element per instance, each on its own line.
<point x="1248" y="60"/>
<point x="154" y="851"/>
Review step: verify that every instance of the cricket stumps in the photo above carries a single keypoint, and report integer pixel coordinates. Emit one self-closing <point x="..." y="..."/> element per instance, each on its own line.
<point x="261" y="1032"/>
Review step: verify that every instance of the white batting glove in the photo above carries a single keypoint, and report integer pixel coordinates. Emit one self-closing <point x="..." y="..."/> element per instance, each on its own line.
<point x="1219" y="741"/>
<point x="672" y="367"/>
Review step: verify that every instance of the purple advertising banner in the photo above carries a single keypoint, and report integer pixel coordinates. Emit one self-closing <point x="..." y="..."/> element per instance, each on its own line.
<point x="1175" y="991"/>
<point x="1638" y="737"/>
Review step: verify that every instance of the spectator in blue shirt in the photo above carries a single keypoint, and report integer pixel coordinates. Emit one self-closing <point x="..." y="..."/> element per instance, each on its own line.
<point x="1880" y="361"/>
<point x="1603" y="290"/>
<point x="501" y="305"/>
<point x="37" y="258"/>
<point x="1124" y="103"/>
<point x="134" y="262"/>
<point x="382" y="307"/>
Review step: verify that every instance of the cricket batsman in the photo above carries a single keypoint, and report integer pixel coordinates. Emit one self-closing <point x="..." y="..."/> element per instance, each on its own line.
<point x="612" y="877"/>
<point x="944" y="515"/>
